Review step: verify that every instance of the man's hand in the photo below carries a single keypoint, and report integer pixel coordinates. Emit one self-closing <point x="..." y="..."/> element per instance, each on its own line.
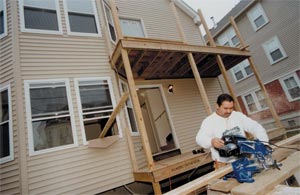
<point x="217" y="142"/>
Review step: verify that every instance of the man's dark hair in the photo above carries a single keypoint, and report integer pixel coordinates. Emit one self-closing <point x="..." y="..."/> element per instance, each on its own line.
<point x="224" y="97"/>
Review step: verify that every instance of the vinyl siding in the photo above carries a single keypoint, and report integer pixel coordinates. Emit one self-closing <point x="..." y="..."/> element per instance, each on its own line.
<point x="9" y="171"/>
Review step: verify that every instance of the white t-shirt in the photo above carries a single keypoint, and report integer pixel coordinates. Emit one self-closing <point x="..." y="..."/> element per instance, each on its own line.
<point x="214" y="126"/>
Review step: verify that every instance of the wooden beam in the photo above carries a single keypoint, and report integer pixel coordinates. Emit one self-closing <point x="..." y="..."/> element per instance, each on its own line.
<point x="137" y="109"/>
<point x="178" y="24"/>
<point x="147" y="70"/>
<point x="259" y="80"/>
<point x="180" y="47"/>
<point x="114" y="114"/>
<point x="156" y="188"/>
<point x="161" y="63"/>
<point x="115" y="16"/>
<point x="131" y="149"/>
<point x="200" y="85"/>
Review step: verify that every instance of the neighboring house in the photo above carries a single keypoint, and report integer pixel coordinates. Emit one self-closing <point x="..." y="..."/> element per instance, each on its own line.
<point x="59" y="86"/>
<point x="271" y="29"/>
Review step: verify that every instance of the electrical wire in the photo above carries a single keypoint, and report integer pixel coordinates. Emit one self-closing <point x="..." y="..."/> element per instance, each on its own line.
<point x="281" y="146"/>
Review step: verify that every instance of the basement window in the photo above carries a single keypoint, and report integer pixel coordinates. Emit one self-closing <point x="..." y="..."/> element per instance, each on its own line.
<point x="40" y="16"/>
<point x="3" y="19"/>
<point x="82" y="17"/>
<point x="6" y="132"/>
<point x="50" y="117"/>
<point x="96" y="105"/>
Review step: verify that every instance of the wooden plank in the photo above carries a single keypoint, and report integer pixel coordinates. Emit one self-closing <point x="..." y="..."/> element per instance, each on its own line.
<point x="268" y="179"/>
<point x="178" y="24"/>
<point x="114" y="114"/>
<point x="284" y="190"/>
<point x="103" y="142"/>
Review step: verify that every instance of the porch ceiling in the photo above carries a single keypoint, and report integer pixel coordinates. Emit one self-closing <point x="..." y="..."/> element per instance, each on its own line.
<point x="160" y="59"/>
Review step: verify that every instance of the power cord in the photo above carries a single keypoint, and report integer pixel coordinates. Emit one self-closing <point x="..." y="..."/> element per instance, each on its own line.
<point x="280" y="146"/>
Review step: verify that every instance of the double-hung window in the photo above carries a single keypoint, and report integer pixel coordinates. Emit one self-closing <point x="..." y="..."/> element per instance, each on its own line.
<point x="40" y="16"/>
<point x="3" y="19"/>
<point x="241" y="71"/>
<point x="132" y="27"/>
<point x="50" y="117"/>
<point x="274" y="50"/>
<point x="255" y="101"/>
<point x="291" y="86"/>
<point x="95" y="107"/>
<point x="110" y="22"/>
<point x="228" y="38"/>
<point x="257" y="17"/>
<point x="129" y="110"/>
<point x="82" y="17"/>
<point x="6" y="134"/>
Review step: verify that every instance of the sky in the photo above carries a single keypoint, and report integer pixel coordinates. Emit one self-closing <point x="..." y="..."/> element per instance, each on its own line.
<point x="215" y="8"/>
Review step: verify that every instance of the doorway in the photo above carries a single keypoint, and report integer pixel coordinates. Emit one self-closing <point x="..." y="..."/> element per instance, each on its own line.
<point x="156" y="118"/>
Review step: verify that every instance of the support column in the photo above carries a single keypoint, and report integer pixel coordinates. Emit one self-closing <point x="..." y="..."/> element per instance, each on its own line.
<point x="156" y="188"/>
<point x="219" y="61"/>
<point x="179" y="27"/>
<point x="137" y="109"/>
<point x="114" y="12"/>
<point x="262" y="86"/>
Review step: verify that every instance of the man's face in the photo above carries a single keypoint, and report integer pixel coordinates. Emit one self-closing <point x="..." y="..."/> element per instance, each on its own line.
<point x="225" y="109"/>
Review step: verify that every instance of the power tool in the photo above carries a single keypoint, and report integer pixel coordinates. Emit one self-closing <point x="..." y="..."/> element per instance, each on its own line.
<point x="253" y="156"/>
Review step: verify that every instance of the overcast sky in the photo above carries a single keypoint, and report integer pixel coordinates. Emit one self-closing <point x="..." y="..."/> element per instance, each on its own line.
<point x="215" y="8"/>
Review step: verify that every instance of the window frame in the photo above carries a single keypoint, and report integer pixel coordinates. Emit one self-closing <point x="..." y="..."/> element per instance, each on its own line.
<point x="242" y="66"/>
<point x="32" y="152"/>
<point x="10" y="126"/>
<point x="260" y="9"/>
<point x="105" y="4"/>
<point x="5" y="32"/>
<point x="96" y="15"/>
<point x="226" y="37"/>
<point x="126" y="111"/>
<point x="285" y="89"/>
<point x="79" y="105"/>
<point x="136" y="19"/>
<point x="256" y="101"/>
<point x="265" y="46"/>
<point x="41" y="31"/>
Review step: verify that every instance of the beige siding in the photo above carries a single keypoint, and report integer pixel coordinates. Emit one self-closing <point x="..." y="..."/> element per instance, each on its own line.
<point x="157" y="16"/>
<point x="186" y="107"/>
<point x="9" y="172"/>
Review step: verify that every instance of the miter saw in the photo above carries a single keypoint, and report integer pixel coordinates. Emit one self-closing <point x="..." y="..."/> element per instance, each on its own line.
<point x="253" y="157"/>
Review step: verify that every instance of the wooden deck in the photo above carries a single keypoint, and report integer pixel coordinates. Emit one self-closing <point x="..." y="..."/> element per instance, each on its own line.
<point x="170" y="167"/>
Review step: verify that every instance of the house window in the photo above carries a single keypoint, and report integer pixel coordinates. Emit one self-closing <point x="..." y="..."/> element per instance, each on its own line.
<point x="6" y="134"/>
<point x="274" y="50"/>
<point x="229" y="38"/>
<point x="291" y="86"/>
<point x="110" y="22"/>
<point x="257" y="17"/>
<point x="132" y="27"/>
<point x="255" y="101"/>
<point x="82" y="17"/>
<point x="129" y="110"/>
<point x="50" y="116"/>
<point x="3" y="19"/>
<point x="40" y="16"/>
<point x="241" y="71"/>
<point x="96" y="106"/>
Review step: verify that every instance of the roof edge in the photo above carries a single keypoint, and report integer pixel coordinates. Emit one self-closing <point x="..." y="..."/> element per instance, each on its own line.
<point x="188" y="10"/>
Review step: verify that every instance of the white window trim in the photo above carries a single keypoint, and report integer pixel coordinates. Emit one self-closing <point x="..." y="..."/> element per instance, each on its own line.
<point x="11" y="144"/>
<point x="29" y="30"/>
<point x="135" y="18"/>
<point x="99" y="34"/>
<point x="76" y="82"/>
<point x="225" y="36"/>
<point x="259" y="109"/>
<point x="265" y="47"/>
<point x="107" y="24"/>
<point x="29" y="117"/>
<point x="260" y="8"/>
<point x="243" y="72"/>
<point x="287" y="94"/>
<point x="4" y="34"/>
<point x="126" y="112"/>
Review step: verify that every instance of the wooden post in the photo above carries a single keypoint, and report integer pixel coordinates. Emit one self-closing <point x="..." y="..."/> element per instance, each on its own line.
<point x="131" y="149"/>
<point x="137" y="109"/>
<point x="179" y="27"/>
<point x="262" y="86"/>
<point x="219" y="61"/>
<point x="114" y="12"/>
<point x="156" y="188"/>
<point x="199" y="83"/>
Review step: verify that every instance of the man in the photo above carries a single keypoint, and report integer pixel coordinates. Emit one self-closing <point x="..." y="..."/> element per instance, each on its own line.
<point x="226" y="121"/>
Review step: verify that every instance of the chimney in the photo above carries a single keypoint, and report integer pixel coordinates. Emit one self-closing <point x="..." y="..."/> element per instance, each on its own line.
<point x="213" y="21"/>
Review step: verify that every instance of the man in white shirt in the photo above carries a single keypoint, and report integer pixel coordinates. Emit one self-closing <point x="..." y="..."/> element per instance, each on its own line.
<point x="226" y="121"/>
